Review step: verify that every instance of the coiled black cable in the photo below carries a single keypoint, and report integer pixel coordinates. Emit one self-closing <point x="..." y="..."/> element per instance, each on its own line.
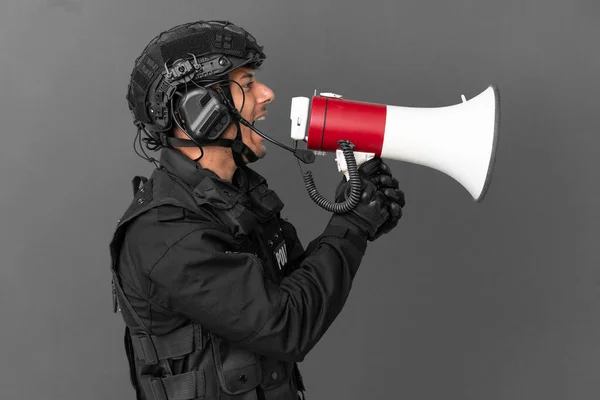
<point x="355" y="184"/>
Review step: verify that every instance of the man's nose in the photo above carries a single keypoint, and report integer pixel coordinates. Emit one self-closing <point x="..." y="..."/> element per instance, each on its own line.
<point x="266" y="94"/>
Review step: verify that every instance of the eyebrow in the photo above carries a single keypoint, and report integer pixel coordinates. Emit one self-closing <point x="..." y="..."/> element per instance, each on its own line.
<point x="247" y="75"/>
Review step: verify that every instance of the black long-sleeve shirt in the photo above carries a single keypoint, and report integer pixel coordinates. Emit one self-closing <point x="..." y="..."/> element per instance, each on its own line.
<point x="176" y="266"/>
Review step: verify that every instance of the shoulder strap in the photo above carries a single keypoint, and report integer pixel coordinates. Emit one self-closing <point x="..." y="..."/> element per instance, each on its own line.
<point x="142" y="201"/>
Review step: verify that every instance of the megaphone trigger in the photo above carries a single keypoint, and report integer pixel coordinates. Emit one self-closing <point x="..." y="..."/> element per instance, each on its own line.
<point x="359" y="156"/>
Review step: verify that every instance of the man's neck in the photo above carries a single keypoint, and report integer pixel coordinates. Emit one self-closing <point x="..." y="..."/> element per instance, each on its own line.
<point x="223" y="166"/>
<point x="217" y="159"/>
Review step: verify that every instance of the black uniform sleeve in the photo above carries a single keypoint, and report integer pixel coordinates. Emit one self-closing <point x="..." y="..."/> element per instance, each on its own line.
<point x="297" y="253"/>
<point x="228" y="294"/>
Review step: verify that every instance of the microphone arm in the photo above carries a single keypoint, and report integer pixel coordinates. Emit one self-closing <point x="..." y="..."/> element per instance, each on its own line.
<point x="308" y="157"/>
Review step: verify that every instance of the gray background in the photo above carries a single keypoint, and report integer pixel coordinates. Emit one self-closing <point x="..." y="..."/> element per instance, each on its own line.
<point x="497" y="300"/>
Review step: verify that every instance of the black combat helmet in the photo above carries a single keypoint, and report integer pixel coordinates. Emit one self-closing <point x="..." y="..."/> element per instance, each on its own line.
<point x="193" y="54"/>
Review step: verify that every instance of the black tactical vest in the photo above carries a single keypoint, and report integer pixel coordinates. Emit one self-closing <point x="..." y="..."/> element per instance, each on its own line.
<point x="191" y="362"/>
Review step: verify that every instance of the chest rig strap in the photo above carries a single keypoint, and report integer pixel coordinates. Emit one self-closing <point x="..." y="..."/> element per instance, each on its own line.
<point x="175" y="344"/>
<point x="187" y="386"/>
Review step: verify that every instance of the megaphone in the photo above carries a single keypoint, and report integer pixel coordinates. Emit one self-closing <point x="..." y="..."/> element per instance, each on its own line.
<point x="459" y="140"/>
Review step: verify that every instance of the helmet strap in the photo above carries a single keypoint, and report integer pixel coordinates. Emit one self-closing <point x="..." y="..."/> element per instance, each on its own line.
<point x="238" y="147"/>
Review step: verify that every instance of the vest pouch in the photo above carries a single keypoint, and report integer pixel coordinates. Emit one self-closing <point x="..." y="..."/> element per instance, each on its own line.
<point x="275" y="373"/>
<point x="277" y="383"/>
<point x="238" y="370"/>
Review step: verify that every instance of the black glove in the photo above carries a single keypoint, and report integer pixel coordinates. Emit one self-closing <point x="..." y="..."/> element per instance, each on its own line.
<point x="383" y="199"/>
<point x="381" y="175"/>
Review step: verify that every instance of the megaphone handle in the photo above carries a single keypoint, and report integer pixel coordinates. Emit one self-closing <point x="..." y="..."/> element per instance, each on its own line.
<point x="353" y="178"/>
<point x="360" y="158"/>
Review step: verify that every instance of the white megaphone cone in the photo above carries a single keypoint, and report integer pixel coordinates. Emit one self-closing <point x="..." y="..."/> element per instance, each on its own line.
<point x="458" y="140"/>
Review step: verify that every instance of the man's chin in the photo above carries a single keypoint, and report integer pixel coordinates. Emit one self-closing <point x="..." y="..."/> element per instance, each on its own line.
<point x="263" y="152"/>
<point x="260" y="150"/>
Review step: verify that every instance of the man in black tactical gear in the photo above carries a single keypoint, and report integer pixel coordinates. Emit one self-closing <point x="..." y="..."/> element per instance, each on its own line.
<point x="219" y="298"/>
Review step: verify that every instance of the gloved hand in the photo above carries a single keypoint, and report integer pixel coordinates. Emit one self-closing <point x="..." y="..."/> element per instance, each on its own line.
<point x="381" y="175"/>
<point x="380" y="207"/>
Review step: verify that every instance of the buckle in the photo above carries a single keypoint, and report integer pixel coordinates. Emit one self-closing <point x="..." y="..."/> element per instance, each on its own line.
<point x="149" y="351"/>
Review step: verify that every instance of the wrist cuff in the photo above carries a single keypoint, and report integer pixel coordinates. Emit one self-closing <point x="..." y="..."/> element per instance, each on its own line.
<point x="340" y="227"/>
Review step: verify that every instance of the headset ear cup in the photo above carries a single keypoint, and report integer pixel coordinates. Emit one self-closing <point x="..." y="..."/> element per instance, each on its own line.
<point x="203" y="114"/>
<point x="223" y="122"/>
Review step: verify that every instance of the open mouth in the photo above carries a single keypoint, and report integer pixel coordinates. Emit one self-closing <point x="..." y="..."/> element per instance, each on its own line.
<point x="260" y="118"/>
